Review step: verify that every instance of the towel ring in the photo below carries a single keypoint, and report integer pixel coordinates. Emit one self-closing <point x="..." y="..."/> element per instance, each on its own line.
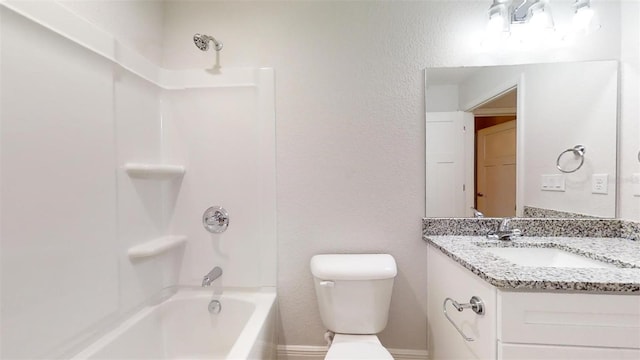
<point x="578" y="151"/>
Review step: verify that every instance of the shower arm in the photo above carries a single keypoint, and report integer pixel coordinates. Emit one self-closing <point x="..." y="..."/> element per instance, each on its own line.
<point x="217" y="45"/>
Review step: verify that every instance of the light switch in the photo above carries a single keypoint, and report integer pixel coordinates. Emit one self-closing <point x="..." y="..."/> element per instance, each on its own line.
<point x="600" y="183"/>
<point x="635" y="180"/>
<point x="552" y="183"/>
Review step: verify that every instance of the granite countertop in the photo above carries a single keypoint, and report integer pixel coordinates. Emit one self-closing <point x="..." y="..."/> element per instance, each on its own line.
<point x="624" y="254"/>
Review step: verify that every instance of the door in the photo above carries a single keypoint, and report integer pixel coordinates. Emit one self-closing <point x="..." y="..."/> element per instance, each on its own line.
<point x="496" y="170"/>
<point x="446" y="167"/>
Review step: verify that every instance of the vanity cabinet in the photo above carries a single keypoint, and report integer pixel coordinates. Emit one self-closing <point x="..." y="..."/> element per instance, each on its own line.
<point x="446" y="278"/>
<point x="526" y="325"/>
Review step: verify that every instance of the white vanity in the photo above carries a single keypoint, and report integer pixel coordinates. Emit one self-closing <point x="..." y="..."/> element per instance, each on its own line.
<point x="561" y="310"/>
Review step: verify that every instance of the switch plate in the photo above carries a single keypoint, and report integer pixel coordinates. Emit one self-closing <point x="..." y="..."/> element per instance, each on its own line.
<point x="600" y="183"/>
<point x="552" y="183"/>
<point x="635" y="180"/>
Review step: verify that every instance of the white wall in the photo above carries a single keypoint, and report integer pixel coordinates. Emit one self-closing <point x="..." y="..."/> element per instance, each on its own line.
<point x="70" y="120"/>
<point x="58" y="204"/>
<point x="225" y="137"/>
<point x="350" y="125"/>
<point x="629" y="134"/>
<point x="80" y="106"/>
<point x="136" y="23"/>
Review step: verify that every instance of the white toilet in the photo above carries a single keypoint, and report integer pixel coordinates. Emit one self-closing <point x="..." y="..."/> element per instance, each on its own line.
<point x="354" y="293"/>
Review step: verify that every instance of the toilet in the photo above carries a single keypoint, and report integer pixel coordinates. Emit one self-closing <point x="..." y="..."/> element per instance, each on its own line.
<point x="354" y="293"/>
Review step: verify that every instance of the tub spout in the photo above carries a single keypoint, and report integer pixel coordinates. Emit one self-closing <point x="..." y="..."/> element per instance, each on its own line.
<point x="215" y="273"/>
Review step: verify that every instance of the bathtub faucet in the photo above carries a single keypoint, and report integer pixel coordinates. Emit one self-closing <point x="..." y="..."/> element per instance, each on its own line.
<point x="215" y="273"/>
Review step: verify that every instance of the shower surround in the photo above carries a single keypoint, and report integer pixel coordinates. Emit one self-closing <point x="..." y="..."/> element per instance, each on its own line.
<point x="104" y="181"/>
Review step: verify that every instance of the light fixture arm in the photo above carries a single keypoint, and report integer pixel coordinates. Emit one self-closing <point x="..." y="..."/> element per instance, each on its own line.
<point x="581" y="4"/>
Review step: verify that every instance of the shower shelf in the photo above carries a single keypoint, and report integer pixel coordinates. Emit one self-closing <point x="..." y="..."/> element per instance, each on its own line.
<point x="156" y="246"/>
<point x="154" y="171"/>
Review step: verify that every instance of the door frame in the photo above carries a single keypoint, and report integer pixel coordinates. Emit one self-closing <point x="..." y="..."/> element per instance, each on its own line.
<point x="492" y="93"/>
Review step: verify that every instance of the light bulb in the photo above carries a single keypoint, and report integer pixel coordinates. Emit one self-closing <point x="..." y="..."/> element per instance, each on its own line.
<point x="582" y="18"/>
<point x="541" y="20"/>
<point x="496" y="24"/>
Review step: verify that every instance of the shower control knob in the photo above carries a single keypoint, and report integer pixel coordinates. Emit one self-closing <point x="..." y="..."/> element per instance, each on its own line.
<point x="215" y="219"/>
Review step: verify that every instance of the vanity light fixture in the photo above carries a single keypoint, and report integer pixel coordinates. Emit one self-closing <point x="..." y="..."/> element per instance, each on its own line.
<point x="534" y="15"/>
<point x="583" y="16"/>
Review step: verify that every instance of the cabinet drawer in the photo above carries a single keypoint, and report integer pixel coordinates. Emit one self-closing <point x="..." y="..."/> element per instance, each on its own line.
<point x="546" y="352"/>
<point x="569" y="319"/>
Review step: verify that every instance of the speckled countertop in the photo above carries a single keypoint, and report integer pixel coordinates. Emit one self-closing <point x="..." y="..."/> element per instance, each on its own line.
<point x="624" y="254"/>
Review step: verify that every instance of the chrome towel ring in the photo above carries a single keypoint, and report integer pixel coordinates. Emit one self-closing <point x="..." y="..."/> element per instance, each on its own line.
<point x="578" y="151"/>
<point x="475" y="303"/>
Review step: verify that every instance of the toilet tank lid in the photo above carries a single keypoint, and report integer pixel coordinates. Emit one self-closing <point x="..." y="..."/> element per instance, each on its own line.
<point x="353" y="266"/>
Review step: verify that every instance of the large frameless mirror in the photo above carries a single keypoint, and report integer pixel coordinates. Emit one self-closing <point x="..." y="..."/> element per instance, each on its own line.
<point x="536" y="140"/>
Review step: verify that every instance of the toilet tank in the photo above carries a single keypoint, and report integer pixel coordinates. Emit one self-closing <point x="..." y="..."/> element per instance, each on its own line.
<point x="354" y="291"/>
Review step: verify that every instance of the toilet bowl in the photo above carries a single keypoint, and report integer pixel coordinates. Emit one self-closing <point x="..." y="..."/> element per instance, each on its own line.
<point x="354" y="294"/>
<point x="346" y="346"/>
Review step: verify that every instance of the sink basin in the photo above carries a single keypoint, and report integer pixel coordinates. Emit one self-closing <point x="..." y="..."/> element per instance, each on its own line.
<point x="545" y="257"/>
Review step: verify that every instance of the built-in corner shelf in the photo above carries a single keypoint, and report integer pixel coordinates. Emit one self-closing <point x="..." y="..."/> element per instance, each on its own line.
<point x="156" y="246"/>
<point x="154" y="171"/>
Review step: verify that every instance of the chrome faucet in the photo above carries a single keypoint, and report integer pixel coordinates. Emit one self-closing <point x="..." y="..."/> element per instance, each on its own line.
<point x="215" y="273"/>
<point x="503" y="232"/>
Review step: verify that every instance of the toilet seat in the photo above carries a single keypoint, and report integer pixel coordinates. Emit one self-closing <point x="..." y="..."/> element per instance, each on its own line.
<point x="346" y="347"/>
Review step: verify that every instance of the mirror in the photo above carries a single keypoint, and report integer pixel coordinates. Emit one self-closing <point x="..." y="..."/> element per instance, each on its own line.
<point x="535" y="140"/>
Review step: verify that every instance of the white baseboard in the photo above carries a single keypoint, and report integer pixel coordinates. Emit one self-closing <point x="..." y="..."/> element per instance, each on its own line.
<point x="302" y="352"/>
<point x="409" y="354"/>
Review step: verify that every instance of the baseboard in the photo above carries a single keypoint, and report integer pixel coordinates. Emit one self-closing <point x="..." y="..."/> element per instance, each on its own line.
<point x="409" y="354"/>
<point x="302" y="352"/>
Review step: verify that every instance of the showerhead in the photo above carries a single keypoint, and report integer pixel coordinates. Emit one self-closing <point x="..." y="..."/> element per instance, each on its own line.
<point x="202" y="42"/>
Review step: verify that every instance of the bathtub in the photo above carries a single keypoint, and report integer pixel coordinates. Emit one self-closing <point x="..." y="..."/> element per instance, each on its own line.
<point x="181" y="327"/>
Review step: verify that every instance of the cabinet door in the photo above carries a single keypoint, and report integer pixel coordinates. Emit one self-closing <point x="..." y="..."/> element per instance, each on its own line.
<point x="547" y="352"/>
<point x="446" y="278"/>
<point x="570" y="319"/>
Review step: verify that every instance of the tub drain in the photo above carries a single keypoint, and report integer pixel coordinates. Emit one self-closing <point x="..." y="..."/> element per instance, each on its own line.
<point x="215" y="307"/>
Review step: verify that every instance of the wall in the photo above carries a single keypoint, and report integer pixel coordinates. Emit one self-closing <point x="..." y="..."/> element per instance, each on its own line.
<point x="98" y="107"/>
<point x="136" y="23"/>
<point x="70" y="212"/>
<point x="629" y="132"/>
<point x="350" y="126"/>
<point x="225" y="137"/>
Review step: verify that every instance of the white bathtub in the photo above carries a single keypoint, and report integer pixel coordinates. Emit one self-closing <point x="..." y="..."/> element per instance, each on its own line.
<point x="181" y="327"/>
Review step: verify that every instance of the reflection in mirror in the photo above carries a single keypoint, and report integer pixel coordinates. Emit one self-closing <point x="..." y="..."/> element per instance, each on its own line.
<point x="501" y="140"/>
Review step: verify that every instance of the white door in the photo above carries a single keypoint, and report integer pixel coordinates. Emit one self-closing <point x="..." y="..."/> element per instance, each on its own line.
<point x="446" y="164"/>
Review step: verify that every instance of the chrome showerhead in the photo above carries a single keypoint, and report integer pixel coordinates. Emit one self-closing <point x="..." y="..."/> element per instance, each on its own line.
<point x="202" y="42"/>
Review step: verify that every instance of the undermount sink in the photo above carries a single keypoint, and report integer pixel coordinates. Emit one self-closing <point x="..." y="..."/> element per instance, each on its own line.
<point x="545" y="257"/>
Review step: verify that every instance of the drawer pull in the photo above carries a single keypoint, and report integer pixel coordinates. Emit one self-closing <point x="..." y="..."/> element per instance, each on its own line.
<point x="475" y="303"/>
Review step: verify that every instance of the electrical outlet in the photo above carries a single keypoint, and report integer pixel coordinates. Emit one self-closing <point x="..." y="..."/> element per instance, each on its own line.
<point x="600" y="183"/>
